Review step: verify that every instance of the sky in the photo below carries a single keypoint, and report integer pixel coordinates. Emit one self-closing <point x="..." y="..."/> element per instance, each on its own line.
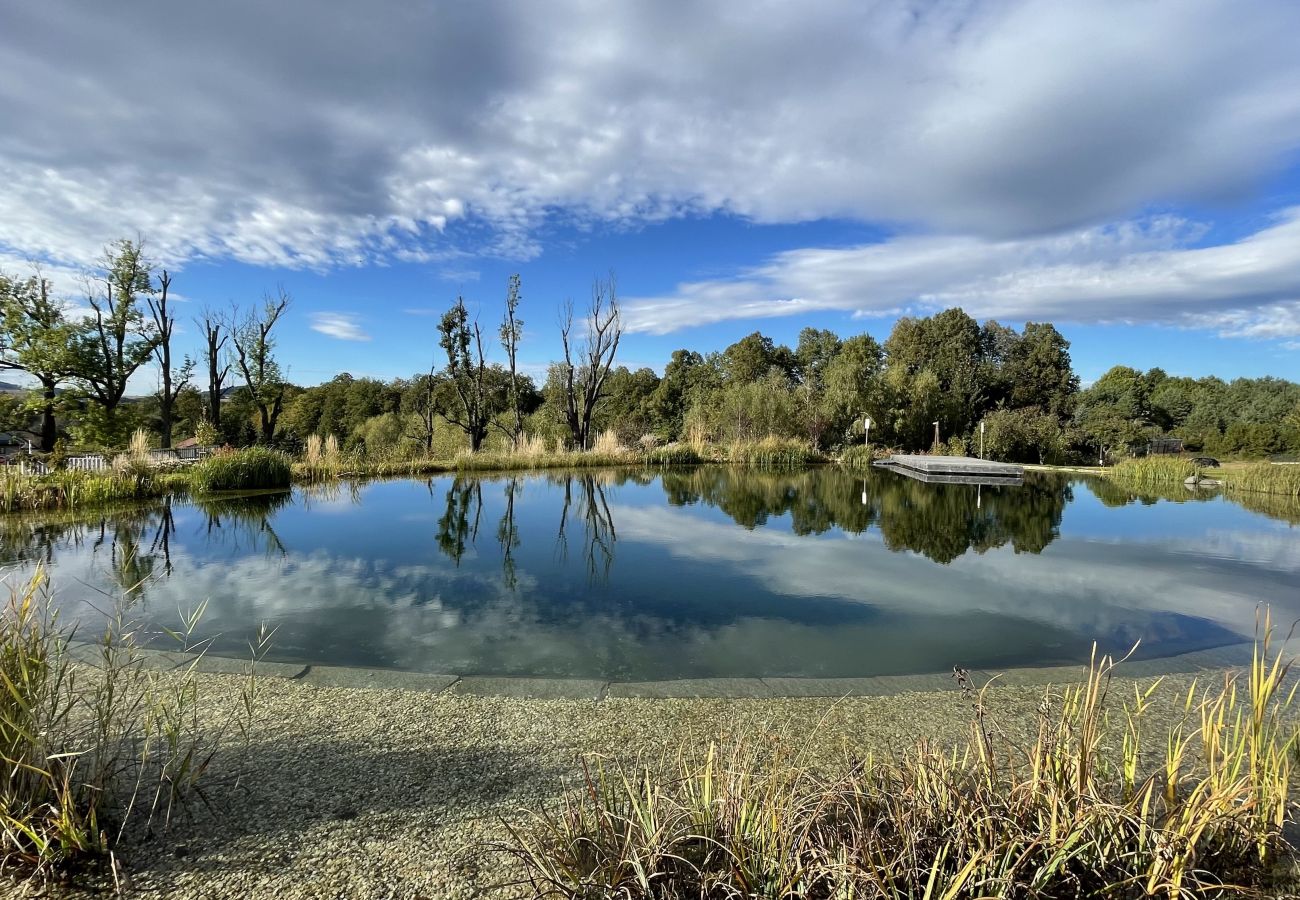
<point x="1127" y="170"/>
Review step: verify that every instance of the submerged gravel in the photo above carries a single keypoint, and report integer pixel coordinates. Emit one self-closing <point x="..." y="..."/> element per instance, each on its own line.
<point x="370" y="793"/>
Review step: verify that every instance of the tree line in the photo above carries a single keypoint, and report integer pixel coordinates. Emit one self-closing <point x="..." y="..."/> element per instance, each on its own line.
<point x="941" y="382"/>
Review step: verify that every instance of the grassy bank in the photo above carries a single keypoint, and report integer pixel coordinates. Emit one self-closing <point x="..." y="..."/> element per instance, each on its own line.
<point x="1162" y="471"/>
<point x="1083" y="808"/>
<point x="99" y="750"/>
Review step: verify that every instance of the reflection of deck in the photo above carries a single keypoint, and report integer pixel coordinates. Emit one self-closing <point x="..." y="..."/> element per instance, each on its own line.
<point x="960" y="469"/>
<point x="993" y="480"/>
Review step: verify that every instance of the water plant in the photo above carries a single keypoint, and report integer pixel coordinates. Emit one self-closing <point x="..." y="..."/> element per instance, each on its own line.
<point x="774" y="453"/>
<point x="1092" y="805"/>
<point x="255" y="468"/>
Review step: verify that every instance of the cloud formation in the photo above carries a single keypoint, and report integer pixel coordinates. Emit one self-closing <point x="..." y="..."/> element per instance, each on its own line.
<point x="343" y="326"/>
<point x="315" y="135"/>
<point x="1148" y="271"/>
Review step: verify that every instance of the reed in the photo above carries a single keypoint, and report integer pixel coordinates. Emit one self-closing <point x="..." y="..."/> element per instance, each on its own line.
<point x="1093" y="805"/>
<point x="1163" y="471"/>
<point x="255" y="468"/>
<point x="774" y="453"/>
<point x="1263" y="478"/>
<point x="63" y="490"/>
<point x="857" y="457"/>
<point x="90" y="751"/>
<point x="673" y="455"/>
<point x="1152" y="472"/>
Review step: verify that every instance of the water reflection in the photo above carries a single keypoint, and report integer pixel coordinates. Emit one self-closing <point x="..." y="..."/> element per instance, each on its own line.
<point x="690" y="573"/>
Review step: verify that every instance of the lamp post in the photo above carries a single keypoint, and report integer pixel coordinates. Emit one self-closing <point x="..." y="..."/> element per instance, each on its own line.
<point x="866" y="431"/>
<point x="981" y="439"/>
<point x="936" y="437"/>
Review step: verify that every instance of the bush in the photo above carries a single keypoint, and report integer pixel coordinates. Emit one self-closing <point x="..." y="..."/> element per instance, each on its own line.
<point x="255" y="468"/>
<point x="1092" y="806"/>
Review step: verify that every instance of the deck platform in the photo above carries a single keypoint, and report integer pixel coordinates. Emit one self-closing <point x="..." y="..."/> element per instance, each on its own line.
<point x="955" y="465"/>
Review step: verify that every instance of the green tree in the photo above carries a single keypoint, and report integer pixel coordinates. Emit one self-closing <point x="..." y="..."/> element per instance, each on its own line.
<point x="36" y="338"/>
<point x="468" y="404"/>
<point x="853" y="387"/>
<point x="1038" y="371"/>
<point x="116" y="340"/>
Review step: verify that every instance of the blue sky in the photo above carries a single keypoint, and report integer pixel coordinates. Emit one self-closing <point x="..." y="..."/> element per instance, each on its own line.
<point x="1127" y="170"/>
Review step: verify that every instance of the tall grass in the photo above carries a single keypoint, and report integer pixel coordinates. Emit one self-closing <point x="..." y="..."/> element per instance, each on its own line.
<point x="1152" y="471"/>
<point x="860" y="457"/>
<point x="774" y="453"/>
<point x="1157" y="471"/>
<point x="254" y="468"/>
<point x="1091" y="806"/>
<point x="63" y="490"/>
<point x="91" y="750"/>
<point x="673" y="455"/>
<point x="1264" y="478"/>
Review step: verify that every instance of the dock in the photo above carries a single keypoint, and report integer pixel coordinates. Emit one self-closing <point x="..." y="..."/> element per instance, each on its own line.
<point x="945" y="467"/>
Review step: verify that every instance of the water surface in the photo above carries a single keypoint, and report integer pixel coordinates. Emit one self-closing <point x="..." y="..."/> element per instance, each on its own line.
<point x="694" y="573"/>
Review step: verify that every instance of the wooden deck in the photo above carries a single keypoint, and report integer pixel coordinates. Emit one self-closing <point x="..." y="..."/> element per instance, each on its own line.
<point x="963" y="466"/>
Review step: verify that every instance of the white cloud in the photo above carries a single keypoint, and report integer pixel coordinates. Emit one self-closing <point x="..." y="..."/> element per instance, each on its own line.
<point x="464" y="128"/>
<point x="1137" y="272"/>
<point x="344" y="326"/>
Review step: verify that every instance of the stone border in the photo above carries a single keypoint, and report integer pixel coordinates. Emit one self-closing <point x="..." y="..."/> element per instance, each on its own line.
<point x="1233" y="655"/>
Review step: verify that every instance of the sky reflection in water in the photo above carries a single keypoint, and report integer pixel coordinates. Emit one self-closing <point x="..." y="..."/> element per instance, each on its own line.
<point x="708" y="572"/>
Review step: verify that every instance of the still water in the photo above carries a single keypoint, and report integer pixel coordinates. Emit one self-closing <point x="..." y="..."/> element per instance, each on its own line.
<point x="685" y="574"/>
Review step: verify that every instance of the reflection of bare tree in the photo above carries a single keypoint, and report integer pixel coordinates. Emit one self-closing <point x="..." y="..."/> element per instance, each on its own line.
<point x="599" y="535"/>
<point x="508" y="535"/>
<point x="460" y="523"/>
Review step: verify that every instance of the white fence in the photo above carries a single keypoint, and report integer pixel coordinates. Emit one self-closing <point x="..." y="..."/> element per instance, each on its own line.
<point x="98" y="462"/>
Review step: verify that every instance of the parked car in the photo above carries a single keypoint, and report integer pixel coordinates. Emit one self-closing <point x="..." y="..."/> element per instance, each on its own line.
<point x="1205" y="462"/>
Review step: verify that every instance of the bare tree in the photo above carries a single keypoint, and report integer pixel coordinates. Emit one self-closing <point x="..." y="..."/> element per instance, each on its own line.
<point x="587" y="365"/>
<point x="512" y="329"/>
<point x="216" y="332"/>
<point x="255" y="357"/>
<point x="173" y="380"/>
<point x="420" y="400"/>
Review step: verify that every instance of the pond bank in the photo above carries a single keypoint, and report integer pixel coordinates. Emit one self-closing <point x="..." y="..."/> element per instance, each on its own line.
<point x="396" y="793"/>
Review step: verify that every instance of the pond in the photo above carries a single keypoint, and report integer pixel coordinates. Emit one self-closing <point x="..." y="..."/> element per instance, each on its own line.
<point x="707" y="572"/>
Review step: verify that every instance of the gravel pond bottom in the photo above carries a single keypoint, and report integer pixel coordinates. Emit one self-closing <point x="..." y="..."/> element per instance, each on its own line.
<point x="385" y="793"/>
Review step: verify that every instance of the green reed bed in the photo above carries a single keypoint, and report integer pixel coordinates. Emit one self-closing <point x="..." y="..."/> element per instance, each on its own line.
<point x="94" y="749"/>
<point x="254" y="468"/>
<point x="774" y="453"/>
<point x="1096" y="804"/>
<point x="80" y="490"/>
<point x="1264" y="478"/>
<point x="1162" y="471"/>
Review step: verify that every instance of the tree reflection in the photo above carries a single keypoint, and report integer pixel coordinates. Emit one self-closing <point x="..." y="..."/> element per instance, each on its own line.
<point x="582" y="498"/>
<point x="135" y="544"/>
<point x="939" y="521"/>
